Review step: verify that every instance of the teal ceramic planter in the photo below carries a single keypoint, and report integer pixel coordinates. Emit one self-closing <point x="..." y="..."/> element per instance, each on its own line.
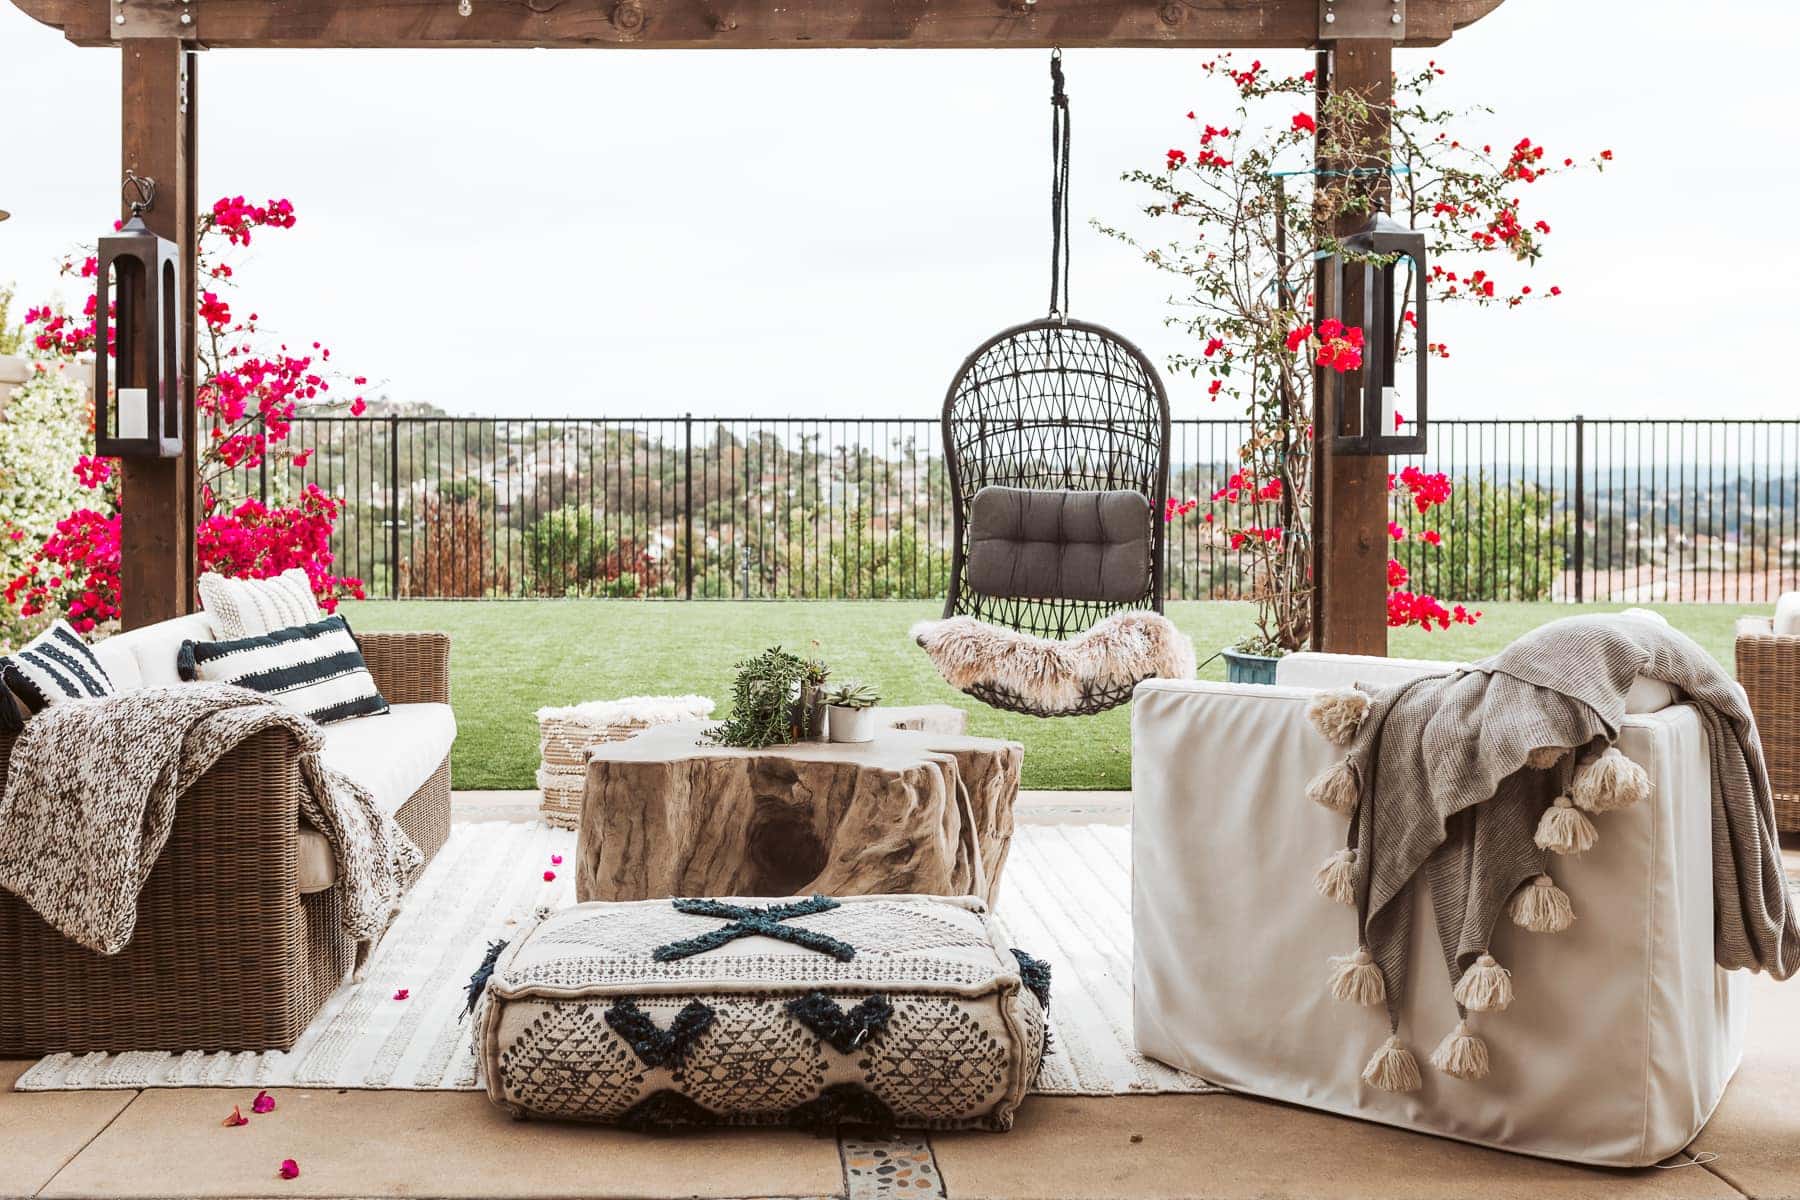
<point x="1249" y="668"/>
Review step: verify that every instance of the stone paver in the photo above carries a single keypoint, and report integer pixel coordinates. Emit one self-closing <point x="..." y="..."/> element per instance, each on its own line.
<point x="170" y="1142"/>
<point x="1221" y="1147"/>
<point x="41" y="1131"/>
<point x="1756" y="1131"/>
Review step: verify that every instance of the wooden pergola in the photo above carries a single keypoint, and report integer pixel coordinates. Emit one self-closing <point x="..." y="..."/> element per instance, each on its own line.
<point x="161" y="40"/>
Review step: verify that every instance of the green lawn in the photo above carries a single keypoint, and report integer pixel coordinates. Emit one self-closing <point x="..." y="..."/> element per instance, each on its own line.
<point x="508" y="658"/>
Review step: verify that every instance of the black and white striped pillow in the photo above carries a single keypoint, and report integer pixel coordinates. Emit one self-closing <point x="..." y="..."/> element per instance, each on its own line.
<point x="54" y="667"/>
<point x="316" y="668"/>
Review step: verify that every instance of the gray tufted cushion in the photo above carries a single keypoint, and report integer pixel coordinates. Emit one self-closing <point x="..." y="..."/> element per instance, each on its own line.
<point x="1024" y="542"/>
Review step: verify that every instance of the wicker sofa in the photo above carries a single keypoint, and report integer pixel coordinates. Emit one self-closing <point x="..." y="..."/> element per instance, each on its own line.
<point x="239" y="938"/>
<point x="1768" y="665"/>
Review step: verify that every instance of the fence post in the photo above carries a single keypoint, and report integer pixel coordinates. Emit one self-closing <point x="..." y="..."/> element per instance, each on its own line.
<point x="393" y="506"/>
<point x="687" y="503"/>
<point x="1580" y="507"/>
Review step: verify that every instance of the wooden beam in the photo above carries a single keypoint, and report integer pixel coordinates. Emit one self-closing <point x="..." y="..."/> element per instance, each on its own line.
<point x="1350" y="496"/>
<point x="735" y="24"/>
<point x="157" y="500"/>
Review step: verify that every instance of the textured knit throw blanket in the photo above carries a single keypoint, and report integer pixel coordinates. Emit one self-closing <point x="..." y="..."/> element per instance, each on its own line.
<point x="1470" y="781"/>
<point x="92" y="789"/>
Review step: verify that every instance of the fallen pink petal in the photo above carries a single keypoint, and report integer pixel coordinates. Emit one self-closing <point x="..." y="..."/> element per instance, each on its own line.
<point x="556" y="860"/>
<point x="549" y="875"/>
<point x="402" y="994"/>
<point x="289" y="1169"/>
<point x="264" y="1103"/>
<point x="236" y="1118"/>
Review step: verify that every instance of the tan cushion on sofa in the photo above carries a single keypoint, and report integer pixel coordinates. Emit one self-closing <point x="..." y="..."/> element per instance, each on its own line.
<point x="392" y="755"/>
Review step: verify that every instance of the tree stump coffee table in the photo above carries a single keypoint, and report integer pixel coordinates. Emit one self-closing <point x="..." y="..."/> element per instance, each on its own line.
<point x="668" y="813"/>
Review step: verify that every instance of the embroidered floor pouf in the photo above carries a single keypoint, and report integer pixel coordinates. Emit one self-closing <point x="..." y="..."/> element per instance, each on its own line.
<point x="908" y="1011"/>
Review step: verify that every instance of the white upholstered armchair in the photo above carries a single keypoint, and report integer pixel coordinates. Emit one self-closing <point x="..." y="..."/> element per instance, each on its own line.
<point x="1623" y="1034"/>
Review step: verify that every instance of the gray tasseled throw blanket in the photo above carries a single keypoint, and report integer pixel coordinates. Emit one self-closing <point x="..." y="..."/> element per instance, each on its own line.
<point x="91" y="794"/>
<point x="1466" y="781"/>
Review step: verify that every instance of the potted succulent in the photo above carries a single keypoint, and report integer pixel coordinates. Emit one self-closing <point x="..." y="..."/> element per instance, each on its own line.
<point x="811" y="710"/>
<point x="852" y="708"/>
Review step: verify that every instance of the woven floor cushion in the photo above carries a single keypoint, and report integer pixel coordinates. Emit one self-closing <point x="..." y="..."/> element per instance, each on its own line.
<point x="564" y="734"/>
<point x="905" y="1011"/>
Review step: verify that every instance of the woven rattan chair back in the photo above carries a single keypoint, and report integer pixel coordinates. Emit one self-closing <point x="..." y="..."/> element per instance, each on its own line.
<point x="1058" y="405"/>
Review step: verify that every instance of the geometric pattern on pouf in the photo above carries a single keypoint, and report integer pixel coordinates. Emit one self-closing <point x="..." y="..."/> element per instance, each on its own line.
<point x="905" y="1011"/>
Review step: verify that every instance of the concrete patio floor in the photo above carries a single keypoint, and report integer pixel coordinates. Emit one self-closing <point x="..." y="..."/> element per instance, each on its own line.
<point x="169" y="1142"/>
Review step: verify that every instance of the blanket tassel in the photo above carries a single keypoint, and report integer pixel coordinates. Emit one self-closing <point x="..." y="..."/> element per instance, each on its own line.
<point x="1336" y="878"/>
<point x="1541" y="907"/>
<point x="1338" y="714"/>
<point x="1356" y="979"/>
<point x="1461" y="1055"/>
<point x="1565" y="829"/>
<point x="1393" y="1068"/>
<point x="1334" y="788"/>
<point x="1485" y="987"/>
<point x="1610" y="781"/>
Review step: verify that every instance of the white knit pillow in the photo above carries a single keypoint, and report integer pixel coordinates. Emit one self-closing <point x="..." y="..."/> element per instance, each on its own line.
<point x="252" y="607"/>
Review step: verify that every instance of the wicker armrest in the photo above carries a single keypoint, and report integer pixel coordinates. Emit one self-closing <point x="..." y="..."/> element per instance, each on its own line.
<point x="1768" y="665"/>
<point x="226" y="955"/>
<point x="409" y="668"/>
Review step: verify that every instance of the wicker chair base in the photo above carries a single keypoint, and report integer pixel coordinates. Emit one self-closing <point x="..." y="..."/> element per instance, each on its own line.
<point x="1092" y="701"/>
<point x="227" y="954"/>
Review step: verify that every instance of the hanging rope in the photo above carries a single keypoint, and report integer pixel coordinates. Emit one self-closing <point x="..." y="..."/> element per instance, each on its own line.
<point x="1059" y="190"/>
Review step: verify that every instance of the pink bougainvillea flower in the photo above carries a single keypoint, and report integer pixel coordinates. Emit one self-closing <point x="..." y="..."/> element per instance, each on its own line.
<point x="549" y="875"/>
<point x="264" y="1103"/>
<point x="1303" y="123"/>
<point x="358" y="407"/>
<point x="236" y="1118"/>
<point x="402" y="993"/>
<point x="556" y="860"/>
<point x="289" y="1169"/>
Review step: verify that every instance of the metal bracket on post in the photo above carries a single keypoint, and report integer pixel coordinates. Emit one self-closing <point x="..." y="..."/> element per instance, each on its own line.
<point x="153" y="19"/>
<point x="1340" y="19"/>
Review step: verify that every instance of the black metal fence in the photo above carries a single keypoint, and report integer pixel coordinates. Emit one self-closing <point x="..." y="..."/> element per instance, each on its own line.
<point x="800" y="508"/>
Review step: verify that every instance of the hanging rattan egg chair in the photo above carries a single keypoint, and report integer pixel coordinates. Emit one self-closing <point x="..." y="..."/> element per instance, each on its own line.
<point x="1056" y="436"/>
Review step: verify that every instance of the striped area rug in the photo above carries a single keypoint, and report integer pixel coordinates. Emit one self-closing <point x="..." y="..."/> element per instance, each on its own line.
<point x="1066" y="898"/>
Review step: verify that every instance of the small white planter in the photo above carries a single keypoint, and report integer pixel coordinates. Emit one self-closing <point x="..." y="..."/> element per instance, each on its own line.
<point x="851" y="724"/>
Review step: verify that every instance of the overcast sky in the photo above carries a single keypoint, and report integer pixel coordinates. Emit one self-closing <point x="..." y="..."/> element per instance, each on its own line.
<point x="829" y="232"/>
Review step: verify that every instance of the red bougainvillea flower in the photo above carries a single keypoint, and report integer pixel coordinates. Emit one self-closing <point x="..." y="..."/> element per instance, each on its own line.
<point x="402" y="993"/>
<point x="1304" y="123"/>
<point x="264" y="1103"/>
<point x="236" y="1118"/>
<point x="289" y="1169"/>
<point x="1397" y="574"/>
<point x="1213" y="346"/>
<point x="1340" y="346"/>
<point x="1397" y="531"/>
<point x="1297" y="336"/>
<point x="1176" y="158"/>
<point x="358" y="407"/>
<point x="1432" y="537"/>
<point x="549" y="875"/>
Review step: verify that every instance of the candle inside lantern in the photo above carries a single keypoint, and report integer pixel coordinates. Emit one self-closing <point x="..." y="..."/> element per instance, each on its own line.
<point x="134" y="413"/>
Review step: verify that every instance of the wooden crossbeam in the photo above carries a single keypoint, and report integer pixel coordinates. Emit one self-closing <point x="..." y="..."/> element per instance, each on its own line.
<point x="729" y="24"/>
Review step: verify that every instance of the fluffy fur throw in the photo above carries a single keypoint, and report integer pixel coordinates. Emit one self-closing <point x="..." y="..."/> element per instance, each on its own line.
<point x="1119" y="650"/>
<point x="91" y="792"/>
<point x="650" y="710"/>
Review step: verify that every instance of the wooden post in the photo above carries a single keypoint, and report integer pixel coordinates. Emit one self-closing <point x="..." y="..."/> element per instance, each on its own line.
<point x="1350" y="504"/>
<point x="158" y="495"/>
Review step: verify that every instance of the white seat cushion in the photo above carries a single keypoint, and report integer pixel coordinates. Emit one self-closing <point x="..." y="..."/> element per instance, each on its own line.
<point x="1787" y="615"/>
<point x="392" y="754"/>
<point x="142" y="658"/>
<point x="1310" y="669"/>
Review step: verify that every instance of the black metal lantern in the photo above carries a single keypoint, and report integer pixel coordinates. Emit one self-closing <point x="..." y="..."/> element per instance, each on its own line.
<point x="1360" y="291"/>
<point x="137" y="412"/>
